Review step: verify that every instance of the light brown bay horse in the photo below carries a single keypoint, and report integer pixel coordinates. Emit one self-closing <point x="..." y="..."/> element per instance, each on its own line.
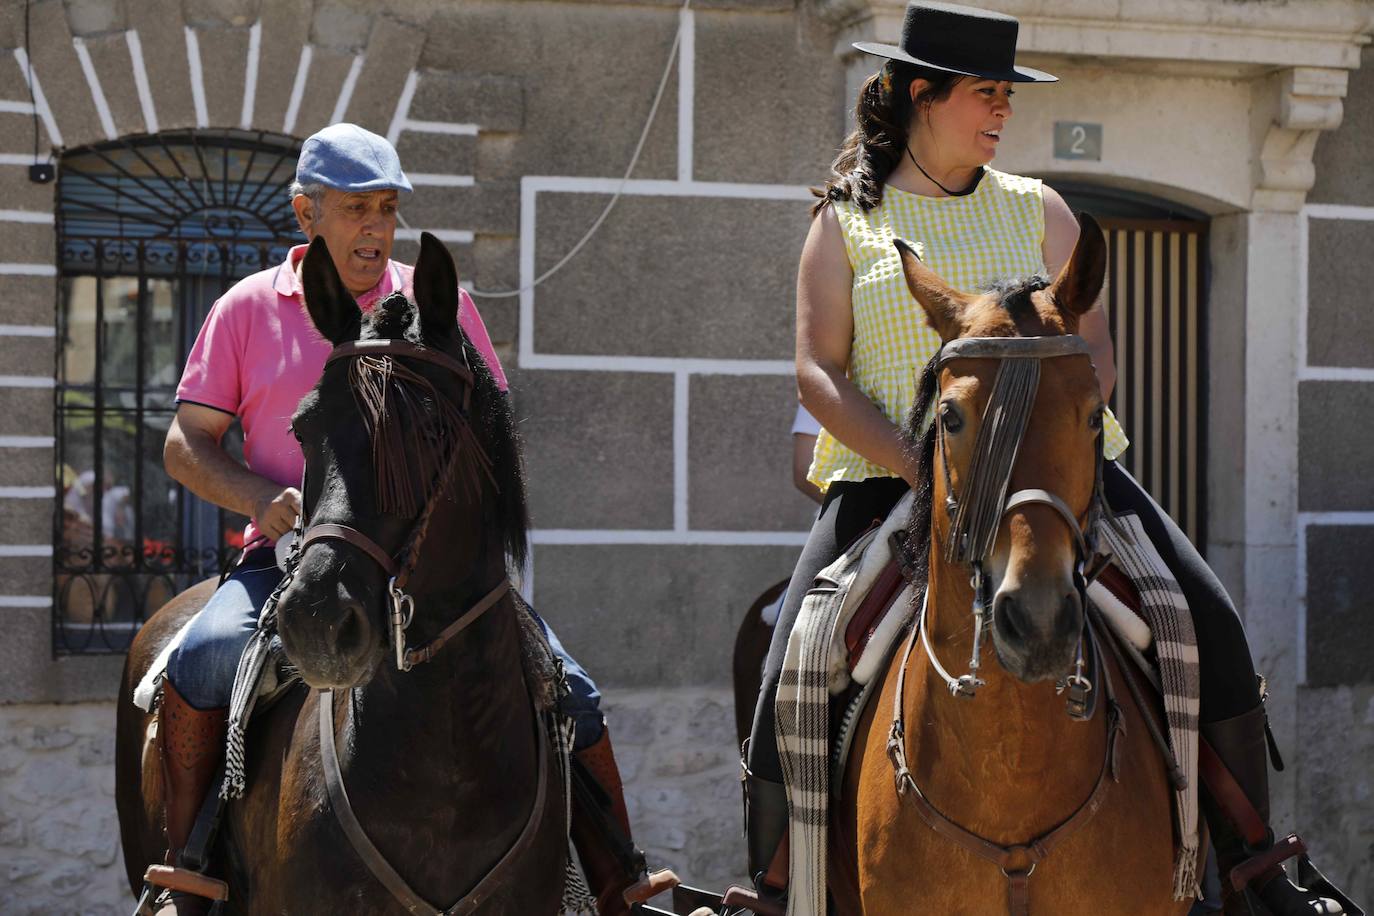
<point x="413" y="478"/>
<point x="1006" y="766"/>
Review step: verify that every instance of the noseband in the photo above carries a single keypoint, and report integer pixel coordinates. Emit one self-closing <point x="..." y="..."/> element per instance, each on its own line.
<point x="400" y="566"/>
<point x="976" y="518"/>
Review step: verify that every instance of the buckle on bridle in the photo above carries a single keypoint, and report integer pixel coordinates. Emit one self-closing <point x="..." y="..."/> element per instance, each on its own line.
<point x="402" y="613"/>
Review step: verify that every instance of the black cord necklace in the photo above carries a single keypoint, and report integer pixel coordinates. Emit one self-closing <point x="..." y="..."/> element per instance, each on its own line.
<point x="937" y="184"/>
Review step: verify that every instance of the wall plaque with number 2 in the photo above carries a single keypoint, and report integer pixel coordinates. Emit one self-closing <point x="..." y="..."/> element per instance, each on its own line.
<point x="1077" y="140"/>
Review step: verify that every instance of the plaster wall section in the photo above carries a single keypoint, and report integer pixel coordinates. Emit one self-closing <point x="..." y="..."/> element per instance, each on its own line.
<point x="1341" y="158"/>
<point x="1169" y="135"/>
<point x="1336" y="734"/>
<point x="589" y="71"/>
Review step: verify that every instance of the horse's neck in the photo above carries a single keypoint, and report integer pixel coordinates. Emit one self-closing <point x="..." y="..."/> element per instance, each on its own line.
<point x="1000" y="747"/>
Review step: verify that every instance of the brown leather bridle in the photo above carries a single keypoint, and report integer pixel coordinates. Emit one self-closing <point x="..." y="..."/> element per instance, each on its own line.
<point x="400" y="566"/>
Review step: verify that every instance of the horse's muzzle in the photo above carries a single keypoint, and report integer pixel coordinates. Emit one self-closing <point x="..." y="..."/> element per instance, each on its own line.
<point x="1036" y="631"/>
<point x="327" y="629"/>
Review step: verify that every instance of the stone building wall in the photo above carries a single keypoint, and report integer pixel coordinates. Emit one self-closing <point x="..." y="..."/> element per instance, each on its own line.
<point x="59" y="841"/>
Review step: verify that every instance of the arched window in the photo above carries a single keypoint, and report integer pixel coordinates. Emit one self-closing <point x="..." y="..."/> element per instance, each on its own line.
<point x="151" y="230"/>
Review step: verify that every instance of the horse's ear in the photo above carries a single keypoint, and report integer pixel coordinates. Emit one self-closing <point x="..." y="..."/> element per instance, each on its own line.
<point x="1079" y="283"/>
<point x="436" y="288"/>
<point x="944" y="305"/>
<point x="332" y="308"/>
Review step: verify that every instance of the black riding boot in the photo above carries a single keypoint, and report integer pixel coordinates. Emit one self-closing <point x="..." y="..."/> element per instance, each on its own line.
<point x="1241" y="744"/>
<point x="765" y="830"/>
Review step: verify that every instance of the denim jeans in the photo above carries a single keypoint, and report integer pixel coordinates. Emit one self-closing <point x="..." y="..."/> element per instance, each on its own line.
<point x="203" y="666"/>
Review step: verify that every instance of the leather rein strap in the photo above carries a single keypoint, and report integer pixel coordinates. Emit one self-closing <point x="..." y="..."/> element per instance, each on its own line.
<point x="376" y="863"/>
<point x="426" y="652"/>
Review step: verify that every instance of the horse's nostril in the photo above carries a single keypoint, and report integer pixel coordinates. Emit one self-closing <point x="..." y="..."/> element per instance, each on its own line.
<point x="351" y="629"/>
<point x="1070" y="615"/>
<point x="1008" y="611"/>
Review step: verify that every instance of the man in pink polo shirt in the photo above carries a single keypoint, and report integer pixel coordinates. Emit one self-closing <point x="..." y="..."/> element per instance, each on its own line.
<point x="255" y="358"/>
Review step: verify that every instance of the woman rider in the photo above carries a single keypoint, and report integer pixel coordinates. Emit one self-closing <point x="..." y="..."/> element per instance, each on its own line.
<point x="917" y="169"/>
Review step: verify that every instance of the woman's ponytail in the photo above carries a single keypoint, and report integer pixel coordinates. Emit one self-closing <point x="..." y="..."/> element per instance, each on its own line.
<point x="882" y="118"/>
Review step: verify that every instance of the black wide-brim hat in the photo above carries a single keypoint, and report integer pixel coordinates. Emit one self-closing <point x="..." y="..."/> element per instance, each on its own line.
<point x="959" y="39"/>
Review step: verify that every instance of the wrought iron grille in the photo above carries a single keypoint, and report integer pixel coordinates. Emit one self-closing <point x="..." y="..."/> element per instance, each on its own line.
<point x="151" y="230"/>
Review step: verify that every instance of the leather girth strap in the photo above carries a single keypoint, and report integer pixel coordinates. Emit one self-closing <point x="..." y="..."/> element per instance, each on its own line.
<point x="377" y="864"/>
<point x="1016" y="862"/>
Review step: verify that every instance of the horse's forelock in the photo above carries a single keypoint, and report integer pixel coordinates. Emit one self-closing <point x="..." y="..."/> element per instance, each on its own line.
<point x="392" y="318"/>
<point x="491" y="425"/>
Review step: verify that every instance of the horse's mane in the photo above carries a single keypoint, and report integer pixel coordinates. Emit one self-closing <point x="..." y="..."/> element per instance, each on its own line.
<point x="487" y="435"/>
<point x="921" y="441"/>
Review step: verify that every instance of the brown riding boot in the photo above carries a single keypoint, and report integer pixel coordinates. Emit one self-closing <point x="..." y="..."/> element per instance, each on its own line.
<point x="615" y="868"/>
<point x="1253" y="880"/>
<point x="190" y="742"/>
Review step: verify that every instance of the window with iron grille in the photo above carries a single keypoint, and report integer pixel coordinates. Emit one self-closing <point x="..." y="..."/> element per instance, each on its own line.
<point x="151" y="231"/>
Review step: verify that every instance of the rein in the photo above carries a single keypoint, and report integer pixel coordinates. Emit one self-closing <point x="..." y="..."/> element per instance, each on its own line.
<point x="975" y="521"/>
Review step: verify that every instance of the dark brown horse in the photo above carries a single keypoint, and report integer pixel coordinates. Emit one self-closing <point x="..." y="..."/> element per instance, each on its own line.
<point x="1007" y="765"/>
<point x="751" y="648"/>
<point x="440" y="762"/>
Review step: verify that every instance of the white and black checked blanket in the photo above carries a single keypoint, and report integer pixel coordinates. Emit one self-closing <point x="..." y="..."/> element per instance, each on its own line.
<point x="803" y="703"/>
<point x="1165" y="610"/>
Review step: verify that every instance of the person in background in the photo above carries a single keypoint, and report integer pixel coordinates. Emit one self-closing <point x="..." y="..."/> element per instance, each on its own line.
<point x="805" y="429"/>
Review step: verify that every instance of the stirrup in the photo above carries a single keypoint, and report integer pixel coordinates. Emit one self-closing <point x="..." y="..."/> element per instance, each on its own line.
<point x="162" y="878"/>
<point x="651" y="885"/>
<point x="745" y="899"/>
<point x="1310" y="879"/>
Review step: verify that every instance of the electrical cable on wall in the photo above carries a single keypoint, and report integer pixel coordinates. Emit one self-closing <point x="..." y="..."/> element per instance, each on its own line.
<point x="634" y="160"/>
<point x="39" y="172"/>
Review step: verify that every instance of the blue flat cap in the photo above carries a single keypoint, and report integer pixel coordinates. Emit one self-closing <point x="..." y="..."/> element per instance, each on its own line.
<point x="347" y="158"/>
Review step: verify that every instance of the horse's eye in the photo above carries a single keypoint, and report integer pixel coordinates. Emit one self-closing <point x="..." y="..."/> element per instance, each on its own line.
<point x="1095" y="420"/>
<point x="950" y="419"/>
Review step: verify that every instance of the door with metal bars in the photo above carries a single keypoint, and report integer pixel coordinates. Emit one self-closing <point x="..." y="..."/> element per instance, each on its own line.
<point x="1156" y="306"/>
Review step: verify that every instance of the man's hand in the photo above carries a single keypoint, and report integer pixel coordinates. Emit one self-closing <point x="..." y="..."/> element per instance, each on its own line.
<point x="193" y="457"/>
<point x="275" y="511"/>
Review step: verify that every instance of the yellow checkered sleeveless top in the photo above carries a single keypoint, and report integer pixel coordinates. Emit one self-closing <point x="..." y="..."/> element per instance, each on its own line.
<point x="971" y="241"/>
